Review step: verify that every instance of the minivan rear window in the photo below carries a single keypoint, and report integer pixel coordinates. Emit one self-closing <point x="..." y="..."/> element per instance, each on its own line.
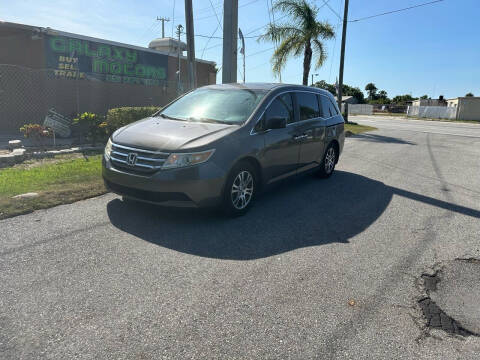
<point x="232" y="106"/>
<point x="329" y="108"/>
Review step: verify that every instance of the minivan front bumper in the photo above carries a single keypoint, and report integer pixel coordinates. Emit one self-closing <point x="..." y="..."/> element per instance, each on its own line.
<point x="195" y="186"/>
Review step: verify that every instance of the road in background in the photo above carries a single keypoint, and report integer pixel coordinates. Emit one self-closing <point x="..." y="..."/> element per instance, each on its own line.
<point x="428" y="127"/>
<point x="317" y="269"/>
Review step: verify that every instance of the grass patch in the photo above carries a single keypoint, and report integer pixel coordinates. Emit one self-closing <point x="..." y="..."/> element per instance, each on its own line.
<point x="358" y="129"/>
<point x="61" y="180"/>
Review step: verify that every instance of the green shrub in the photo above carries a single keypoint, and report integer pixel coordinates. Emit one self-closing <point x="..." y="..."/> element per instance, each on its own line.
<point x="93" y="125"/>
<point x="118" y="117"/>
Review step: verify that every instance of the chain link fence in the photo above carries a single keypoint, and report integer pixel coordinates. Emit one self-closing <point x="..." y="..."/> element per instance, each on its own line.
<point x="26" y="95"/>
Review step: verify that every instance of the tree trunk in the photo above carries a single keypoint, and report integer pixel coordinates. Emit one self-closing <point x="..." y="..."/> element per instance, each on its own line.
<point x="307" y="60"/>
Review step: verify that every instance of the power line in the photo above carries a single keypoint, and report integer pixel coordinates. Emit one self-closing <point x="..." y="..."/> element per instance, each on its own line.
<point x="261" y="51"/>
<point x="326" y="3"/>
<point x="333" y="52"/>
<point x="210" y="38"/>
<point x="216" y="15"/>
<point x="221" y="38"/>
<point x="147" y="30"/>
<point x="261" y="27"/>
<point x="280" y="18"/>
<point x="395" y="11"/>
<point x="257" y="66"/>
<point x="240" y="6"/>
<point x="207" y="8"/>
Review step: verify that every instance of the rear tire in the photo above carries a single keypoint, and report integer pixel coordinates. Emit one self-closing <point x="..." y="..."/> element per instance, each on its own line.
<point x="329" y="161"/>
<point x="240" y="189"/>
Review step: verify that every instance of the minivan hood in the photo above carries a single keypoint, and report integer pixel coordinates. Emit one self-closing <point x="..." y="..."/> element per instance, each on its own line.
<point x="162" y="134"/>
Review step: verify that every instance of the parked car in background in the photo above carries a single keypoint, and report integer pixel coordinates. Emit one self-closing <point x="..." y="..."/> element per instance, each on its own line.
<point x="220" y="144"/>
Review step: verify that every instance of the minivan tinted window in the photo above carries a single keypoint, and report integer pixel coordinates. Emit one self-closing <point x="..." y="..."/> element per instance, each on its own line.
<point x="215" y="105"/>
<point x="282" y="106"/>
<point x="308" y="105"/>
<point x="332" y="108"/>
<point x="329" y="108"/>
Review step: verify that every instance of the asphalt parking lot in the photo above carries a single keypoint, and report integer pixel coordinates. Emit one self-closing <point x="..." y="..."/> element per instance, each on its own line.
<point x="318" y="269"/>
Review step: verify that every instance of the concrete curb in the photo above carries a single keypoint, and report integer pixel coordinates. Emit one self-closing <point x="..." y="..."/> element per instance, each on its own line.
<point x="14" y="157"/>
<point x="19" y="155"/>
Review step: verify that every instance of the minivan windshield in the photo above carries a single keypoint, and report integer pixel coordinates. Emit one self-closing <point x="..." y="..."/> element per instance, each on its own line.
<point x="229" y="106"/>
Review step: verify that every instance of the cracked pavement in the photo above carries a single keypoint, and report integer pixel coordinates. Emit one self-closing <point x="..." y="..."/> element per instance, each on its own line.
<point x="318" y="269"/>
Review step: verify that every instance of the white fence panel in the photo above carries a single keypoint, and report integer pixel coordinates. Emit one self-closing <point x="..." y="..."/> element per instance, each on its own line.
<point x="358" y="109"/>
<point x="433" y="112"/>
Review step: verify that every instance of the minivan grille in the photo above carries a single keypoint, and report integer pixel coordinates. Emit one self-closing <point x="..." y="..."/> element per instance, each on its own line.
<point x="137" y="161"/>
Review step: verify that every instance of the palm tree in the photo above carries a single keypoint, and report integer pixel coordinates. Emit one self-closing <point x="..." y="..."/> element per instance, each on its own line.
<point x="303" y="34"/>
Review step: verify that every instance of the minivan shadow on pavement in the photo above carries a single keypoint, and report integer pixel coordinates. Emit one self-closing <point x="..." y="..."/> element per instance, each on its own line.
<point x="382" y="139"/>
<point x="300" y="212"/>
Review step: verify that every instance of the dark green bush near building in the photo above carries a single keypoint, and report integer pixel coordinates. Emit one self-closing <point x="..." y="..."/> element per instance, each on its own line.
<point x="98" y="128"/>
<point x="92" y="126"/>
<point x="118" y="117"/>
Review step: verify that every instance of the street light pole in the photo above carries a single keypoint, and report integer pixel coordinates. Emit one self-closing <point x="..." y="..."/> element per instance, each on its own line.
<point x="313" y="76"/>
<point x="342" y="60"/>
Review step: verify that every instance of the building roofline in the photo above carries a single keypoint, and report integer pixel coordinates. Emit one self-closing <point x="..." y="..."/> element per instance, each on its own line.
<point x="50" y="31"/>
<point x="465" y="97"/>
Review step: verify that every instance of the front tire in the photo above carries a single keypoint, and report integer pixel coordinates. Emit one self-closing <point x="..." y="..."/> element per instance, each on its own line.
<point x="240" y="189"/>
<point x="130" y="201"/>
<point x="329" y="161"/>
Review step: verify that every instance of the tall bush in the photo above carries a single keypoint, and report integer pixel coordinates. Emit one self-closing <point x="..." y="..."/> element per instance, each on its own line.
<point x="118" y="117"/>
<point x="93" y="125"/>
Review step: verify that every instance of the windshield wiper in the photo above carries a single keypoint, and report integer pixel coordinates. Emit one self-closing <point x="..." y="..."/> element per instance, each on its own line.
<point x="170" y="117"/>
<point x="207" y="120"/>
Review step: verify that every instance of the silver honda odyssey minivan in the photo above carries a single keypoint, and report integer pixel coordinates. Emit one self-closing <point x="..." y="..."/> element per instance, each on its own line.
<point x="220" y="144"/>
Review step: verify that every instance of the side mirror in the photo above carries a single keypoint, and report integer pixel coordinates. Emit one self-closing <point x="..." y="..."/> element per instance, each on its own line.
<point x="276" y="122"/>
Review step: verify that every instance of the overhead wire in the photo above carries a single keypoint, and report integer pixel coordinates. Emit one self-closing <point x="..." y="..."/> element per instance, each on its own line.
<point x="396" y="11"/>
<point x="216" y="15"/>
<point x="326" y="3"/>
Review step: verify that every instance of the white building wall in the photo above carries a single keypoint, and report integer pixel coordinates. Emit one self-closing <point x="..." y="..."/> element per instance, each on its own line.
<point x="433" y="112"/>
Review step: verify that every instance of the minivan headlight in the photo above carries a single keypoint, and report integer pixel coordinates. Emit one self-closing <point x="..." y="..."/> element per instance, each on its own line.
<point x="177" y="160"/>
<point x="108" y="149"/>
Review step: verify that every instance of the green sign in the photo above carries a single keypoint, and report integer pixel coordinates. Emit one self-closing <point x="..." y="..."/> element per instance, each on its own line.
<point x="72" y="58"/>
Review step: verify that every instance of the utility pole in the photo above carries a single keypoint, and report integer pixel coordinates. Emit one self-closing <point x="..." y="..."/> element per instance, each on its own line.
<point x="230" y="36"/>
<point x="313" y="76"/>
<point x="192" y="71"/>
<point x="342" y="61"/>
<point x="179" y="32"/>
<point x="242" y="51"/>
<point x="163" y="19"/>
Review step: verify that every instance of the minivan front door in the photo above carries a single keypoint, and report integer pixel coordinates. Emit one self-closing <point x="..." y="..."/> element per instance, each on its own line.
<point x="282" y="148"/>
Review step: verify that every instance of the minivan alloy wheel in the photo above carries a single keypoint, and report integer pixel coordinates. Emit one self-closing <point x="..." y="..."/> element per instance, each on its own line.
<point x="330" y="158"/>
<point x="242" y="190"/>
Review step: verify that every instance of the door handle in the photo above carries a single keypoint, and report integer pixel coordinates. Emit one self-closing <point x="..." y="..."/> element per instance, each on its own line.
<point x="300" y="137"/>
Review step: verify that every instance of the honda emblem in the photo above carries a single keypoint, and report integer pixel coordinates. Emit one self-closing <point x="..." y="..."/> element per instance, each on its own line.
<point x="132" y="159"/>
